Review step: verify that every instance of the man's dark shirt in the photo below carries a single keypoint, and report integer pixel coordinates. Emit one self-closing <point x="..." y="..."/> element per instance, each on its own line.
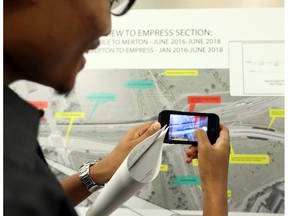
<point x="30" y="188"/>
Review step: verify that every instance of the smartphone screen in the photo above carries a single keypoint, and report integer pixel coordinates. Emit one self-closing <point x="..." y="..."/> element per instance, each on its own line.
<point x="183" y="124"/>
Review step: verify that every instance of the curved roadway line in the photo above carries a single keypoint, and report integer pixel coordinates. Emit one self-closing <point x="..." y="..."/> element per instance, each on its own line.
<point x="234" y="131"/>
<point x="244" y="132"/>
<point x="223" y="111"/>
<point x="154" y="77"/>
<point x="143" y="96"/>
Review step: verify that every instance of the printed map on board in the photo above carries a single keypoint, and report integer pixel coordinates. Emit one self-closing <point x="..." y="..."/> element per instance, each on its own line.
<point x="88" y="123"/>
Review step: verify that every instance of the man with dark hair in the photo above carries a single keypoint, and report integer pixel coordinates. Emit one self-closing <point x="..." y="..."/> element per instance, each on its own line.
<point x="44" y="42"/>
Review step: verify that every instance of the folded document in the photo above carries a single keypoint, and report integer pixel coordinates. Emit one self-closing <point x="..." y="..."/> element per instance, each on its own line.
<point x="140" y="167"/>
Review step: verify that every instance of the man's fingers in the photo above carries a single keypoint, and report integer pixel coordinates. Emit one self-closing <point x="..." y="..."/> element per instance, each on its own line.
<point x="191" y="153"/>
<point x="191" y="150"/>
<point x="201" y="137"/>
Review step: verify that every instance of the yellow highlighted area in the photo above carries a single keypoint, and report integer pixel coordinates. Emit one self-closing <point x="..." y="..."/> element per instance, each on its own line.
<point x="164" y="167"/>
<point x="72" y="116"/>
<point x="249" y="159"/>
<point x="231" y="150"/>
<point x="180" y="73"/>
<point x="229" y="193"/>
<point x="276" y="113"/>
<point x="195" y="162"/>
<point x="244" y="159"/>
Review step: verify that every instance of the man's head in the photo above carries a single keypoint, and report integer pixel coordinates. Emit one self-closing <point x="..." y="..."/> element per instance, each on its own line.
<point x="44" y="40"/>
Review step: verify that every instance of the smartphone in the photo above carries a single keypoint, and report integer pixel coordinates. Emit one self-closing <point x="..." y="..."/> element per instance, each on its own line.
<point x="182" y="126"/>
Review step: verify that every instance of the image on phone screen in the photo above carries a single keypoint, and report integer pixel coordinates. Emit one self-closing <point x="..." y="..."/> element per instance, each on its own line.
<point x="182" y="127"/>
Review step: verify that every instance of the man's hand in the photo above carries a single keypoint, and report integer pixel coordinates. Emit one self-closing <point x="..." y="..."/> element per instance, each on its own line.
<point x="132" y="138"/>
<point x="213" y="162"/>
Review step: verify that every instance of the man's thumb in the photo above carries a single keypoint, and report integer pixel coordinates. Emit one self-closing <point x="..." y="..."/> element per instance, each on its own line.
<point x="201" y="137"/>
<point x="149" y="131"/>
